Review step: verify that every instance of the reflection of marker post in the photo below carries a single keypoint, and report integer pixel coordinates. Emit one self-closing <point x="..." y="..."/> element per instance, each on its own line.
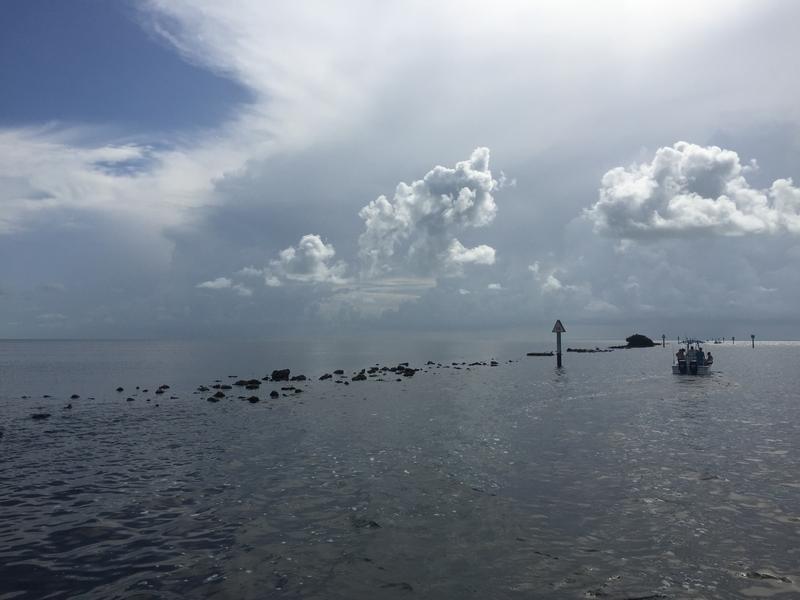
<point x="558" y="329"/>
<point x="753" y="339"/>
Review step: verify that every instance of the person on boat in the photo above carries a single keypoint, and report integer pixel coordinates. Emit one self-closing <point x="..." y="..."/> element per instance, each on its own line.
<point x="709" y="359"/>
<point x="681" y="354"/>
<point x="691" y="356"/>
<point x="700" y="357"/>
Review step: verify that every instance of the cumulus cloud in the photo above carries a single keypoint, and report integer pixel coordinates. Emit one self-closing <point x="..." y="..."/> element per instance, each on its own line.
<point x="311" y="261"/>
<point x="688" y="189"/>
<point x="494" y="286"/>
<point x="220" y="283"/>
<point x="416" y="229"/>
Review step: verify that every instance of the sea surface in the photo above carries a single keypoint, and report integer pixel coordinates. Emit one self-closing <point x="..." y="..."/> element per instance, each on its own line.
<point x="608" y="478"/>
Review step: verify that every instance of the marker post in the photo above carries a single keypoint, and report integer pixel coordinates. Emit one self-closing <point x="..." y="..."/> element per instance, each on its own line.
<point x="558" y="329"/>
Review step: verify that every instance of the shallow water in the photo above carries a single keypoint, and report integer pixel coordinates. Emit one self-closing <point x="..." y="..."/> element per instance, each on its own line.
<point x="609" y="478"/>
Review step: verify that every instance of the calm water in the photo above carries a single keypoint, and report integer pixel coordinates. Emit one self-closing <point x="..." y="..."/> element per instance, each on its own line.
<point x="611" y="478"/>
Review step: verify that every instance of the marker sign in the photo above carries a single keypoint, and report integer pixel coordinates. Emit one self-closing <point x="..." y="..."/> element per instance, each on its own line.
<point x="558" y="327"/>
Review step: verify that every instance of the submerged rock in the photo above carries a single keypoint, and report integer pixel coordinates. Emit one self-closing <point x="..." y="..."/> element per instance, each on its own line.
<point x="325" y="376"/>
<point x="40" y="416"/>
<point x="253" y="399"/>
<point x="120" y="389"/>
<point x="74" y="397"/>
<point x="299" y="378"/>
<point x="274" y="394"/>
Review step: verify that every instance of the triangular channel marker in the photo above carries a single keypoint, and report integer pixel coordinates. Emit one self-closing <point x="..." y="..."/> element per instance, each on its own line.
<point x="558" y="327"/>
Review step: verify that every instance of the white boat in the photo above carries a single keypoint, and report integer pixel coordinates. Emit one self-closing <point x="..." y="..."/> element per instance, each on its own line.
<point x="687" y="364"/>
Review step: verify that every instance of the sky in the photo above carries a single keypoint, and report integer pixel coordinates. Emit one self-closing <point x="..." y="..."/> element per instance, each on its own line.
<point x="177" y="168"/>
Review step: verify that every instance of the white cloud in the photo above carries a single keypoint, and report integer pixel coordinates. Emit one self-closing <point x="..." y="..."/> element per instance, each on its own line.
<point x="309" y="262"/>
<point x="494" y="286"/>
<point x="464" y="292"/>
<point x="690" y="189"/>
<point x="220" y="283"/>
<point x="250" y="272"/>
<point x="416" y="229"/>
<point x="242" y="290"/>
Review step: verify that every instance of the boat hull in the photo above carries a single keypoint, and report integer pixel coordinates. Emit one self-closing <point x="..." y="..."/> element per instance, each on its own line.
<point x="684" y="369"/>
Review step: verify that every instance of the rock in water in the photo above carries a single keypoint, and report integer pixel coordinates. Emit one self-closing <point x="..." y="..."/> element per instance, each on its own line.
<point x="274" y="394"/>
<point x="253" y="399"/>
<point x="639" y="341"/>
<point x="280" y="375"/>
<point x="40" y="416"/>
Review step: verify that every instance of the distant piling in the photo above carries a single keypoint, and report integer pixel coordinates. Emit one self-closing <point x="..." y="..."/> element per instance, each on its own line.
<point x="663" y="341"/>
<point x="558" y="329"/>
<point x="753" y="339"/>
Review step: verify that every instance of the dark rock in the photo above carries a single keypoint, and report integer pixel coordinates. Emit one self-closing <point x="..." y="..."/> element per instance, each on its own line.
<point x="225" y="387"/>
<point x="339" y="372"/>
<point x="202" y="388"/>
<point x="764" y="575"/>
<point x="360" y="377"/>
<point x="40" y="416"/>
<point x="430" y="362"/>
<point x="274" y="394"/>
<point x="213" y="398"/>
<point x="159" y="391"/>
<point x="120" y="389"/>
<point x="46" y="396"/>
<point x="299" y="378"/>
<point x="287" y="388"/>
<point x="493" y="363"/>
<point x="361" y="523"/>
<point x="163" y="386"/>
<point x="219" y="394"/>
<point x="639" y="341"/>
<point x="74" y="397"/>
<point x="281" y="375"/>
<point x="400" y="585"/>
<point x="253" y="399"/>
<point x="325" y="376"/>
<point x="68" y="407"/>
<point x="542" y="353"/>
<point x="129" y="399"/>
